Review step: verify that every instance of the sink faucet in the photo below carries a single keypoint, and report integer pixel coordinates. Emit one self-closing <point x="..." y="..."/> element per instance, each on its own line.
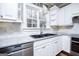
<point x="41" y="28"/>
<point x="41" y="31"/>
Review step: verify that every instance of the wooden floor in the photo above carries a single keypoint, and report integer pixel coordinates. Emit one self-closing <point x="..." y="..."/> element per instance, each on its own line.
<point x="72" y="53"/>
<point x="63" y="53"/>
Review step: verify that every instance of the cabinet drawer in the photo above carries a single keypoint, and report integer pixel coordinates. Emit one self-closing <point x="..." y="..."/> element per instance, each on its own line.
<point x="42" y="42"/>
<point x="38" y="43"/>
<point x="41" y="46"/>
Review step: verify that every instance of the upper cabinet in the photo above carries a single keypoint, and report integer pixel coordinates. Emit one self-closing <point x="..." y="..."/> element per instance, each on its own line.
<point x="70" y="11"/>
<point x="67" y="15"/>
<point x="8" y="11"/>
<point x="62" y="17"/>
<point x="53" y="15"/>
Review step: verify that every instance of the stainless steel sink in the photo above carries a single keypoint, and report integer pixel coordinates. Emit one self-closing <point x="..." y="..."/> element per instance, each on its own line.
<point x="42" y="35"/>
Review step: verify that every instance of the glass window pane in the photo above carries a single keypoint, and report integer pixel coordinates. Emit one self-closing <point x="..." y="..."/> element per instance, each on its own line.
<point x="32" y="17"/>
<point x="29" y="22"/>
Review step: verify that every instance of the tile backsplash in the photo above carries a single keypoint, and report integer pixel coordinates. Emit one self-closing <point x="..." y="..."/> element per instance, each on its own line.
<point x="9" y="27"/>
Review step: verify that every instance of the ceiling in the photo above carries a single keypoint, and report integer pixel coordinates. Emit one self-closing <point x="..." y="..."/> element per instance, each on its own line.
<point x="49" y="5"/>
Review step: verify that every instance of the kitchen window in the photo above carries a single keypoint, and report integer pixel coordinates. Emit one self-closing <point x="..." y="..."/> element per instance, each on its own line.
<point x="31" y="23"/>
<point x="43" y="24"/>
<point x="31" y="17"/>
<point x="42" y="20"/>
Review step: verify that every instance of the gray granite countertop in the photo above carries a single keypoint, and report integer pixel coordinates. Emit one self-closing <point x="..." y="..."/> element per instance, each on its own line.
<point x="19" y="38"/>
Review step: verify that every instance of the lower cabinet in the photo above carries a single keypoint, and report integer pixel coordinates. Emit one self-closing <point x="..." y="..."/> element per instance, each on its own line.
<point x="42" y="50"/>
<point x="52" y="46"/>
<point x="59" y="44"/>
<point x="66" y="43"/>
<point x="49" y="48"/>
<point x="53" y="49"/>
<point x="56" y="46"/>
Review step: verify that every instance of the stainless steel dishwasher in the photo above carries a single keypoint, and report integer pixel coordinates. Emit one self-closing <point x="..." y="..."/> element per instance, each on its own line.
<point x="18" y="50"/>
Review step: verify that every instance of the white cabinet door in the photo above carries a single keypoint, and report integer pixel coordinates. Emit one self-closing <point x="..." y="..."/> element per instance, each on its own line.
<point x="49" y="47"/>
<point x="53" y="15"/>
<point x="56" y="48"/>
<point x="59" y="43"/>
<point x="53" y="20"/>
<point x="38" y="52"/>
<point x="47" y="20"/>
<point x="47" y="50"/>
<point x="67" y="15"/>
<point x="9" y="10"/>
<point x="53" y="49"/>
<point x="66" y="43"/>
<point x="41" y="51"/>
<point x="60" y="17"/>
